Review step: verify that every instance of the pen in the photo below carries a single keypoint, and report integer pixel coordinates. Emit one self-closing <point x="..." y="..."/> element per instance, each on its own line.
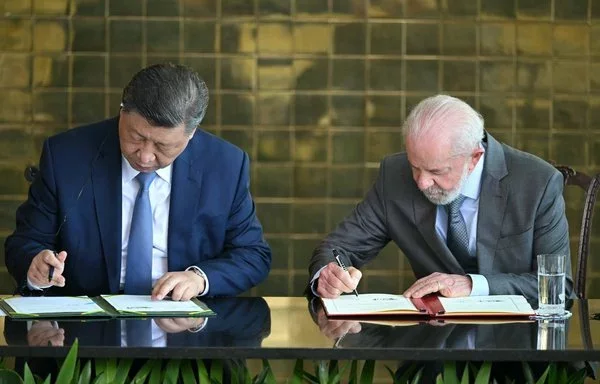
<point x="336" y="254"/>
<point x="51" y="270"/>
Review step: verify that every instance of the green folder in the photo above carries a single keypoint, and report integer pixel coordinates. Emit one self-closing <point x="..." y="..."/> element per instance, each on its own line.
<point x="105" y="306"/>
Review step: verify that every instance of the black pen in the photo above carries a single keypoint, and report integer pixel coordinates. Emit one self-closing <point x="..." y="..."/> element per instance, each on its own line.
<point x="51" y="270"/>
<point x="336" y="254"/>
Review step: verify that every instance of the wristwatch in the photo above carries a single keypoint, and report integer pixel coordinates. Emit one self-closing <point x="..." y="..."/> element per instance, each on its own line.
<point x="197" y="271"/>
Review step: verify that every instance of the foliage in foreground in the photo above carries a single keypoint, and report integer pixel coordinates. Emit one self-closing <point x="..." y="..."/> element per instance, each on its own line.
<point x="77" y="371"/>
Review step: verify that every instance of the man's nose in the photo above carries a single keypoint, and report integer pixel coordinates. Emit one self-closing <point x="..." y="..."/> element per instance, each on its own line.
<point x="423" y="181"/>
<point x="146" y="154"/>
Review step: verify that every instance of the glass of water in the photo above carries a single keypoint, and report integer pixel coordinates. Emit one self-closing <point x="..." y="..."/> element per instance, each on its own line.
<point x="551" y="333"/>
<point x="551" y="285"/>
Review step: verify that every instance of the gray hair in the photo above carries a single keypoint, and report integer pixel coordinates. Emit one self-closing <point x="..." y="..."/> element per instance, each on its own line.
<point x="167" y="95"/>
<point x="446" y="113"/>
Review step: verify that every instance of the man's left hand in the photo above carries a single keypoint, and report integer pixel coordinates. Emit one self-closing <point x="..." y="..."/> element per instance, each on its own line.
<point x="178" y="324"/>
<point x="447" y="285"/>
<point x="182" y="286"/>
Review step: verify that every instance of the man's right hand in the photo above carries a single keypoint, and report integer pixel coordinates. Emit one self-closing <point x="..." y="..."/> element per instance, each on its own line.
<point x="44" y="333"/>
<point x="334" y="329"/>
<point x="333" y="281"/>
<point x="40" y="268"/>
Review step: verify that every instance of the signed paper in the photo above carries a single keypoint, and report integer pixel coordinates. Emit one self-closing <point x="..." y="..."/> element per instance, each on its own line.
<point x="145" y="305"/>
<point x="65" y="305"/>
<point x="487" y="304"/>
<point x="368" y="303"/>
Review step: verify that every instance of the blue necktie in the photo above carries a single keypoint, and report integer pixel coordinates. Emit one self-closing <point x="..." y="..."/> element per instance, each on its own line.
<point x="138" y="276"/>
<point x="458" y="237"/>
<point x="139" y="332"/>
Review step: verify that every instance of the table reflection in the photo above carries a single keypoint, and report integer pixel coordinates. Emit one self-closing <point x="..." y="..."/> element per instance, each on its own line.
<point x="240" y="322"/>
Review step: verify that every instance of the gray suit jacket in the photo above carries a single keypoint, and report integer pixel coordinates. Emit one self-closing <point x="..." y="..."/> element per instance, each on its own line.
<point x="521" y="214"/>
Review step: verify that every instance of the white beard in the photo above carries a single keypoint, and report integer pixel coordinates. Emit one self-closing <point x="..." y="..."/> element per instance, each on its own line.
<point x="439" y="196"/>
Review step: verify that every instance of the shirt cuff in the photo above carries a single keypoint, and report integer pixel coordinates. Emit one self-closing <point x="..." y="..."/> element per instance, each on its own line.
<point x="201" y="273"/>
<point x="481" y="287"/>
<point x="201" y="327"/>
<point x="313" y="282"/>
<point x="34" y="287"/>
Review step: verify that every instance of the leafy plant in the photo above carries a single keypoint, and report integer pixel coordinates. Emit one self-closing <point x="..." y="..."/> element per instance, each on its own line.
<point x="101" y="371"/>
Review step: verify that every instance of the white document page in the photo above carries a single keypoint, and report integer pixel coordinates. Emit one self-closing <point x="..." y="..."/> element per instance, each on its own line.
<point x="53" y="304"/>
<point x="487" y="304"/>
<point x="144" y="304"/>
<point x="368" y="303"/>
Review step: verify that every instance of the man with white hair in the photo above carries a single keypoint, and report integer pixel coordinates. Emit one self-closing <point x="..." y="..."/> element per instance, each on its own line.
<point x="469" y="213"/>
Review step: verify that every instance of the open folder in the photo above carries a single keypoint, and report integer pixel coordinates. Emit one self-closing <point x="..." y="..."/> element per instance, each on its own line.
<point x="101" y="306"/>
<point x="379" y="304"/>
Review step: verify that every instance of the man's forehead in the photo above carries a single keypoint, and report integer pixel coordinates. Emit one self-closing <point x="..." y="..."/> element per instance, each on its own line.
<point x="428" y="150"/>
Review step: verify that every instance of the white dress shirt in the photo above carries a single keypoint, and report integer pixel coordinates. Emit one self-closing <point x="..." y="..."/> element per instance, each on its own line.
<point x="469" y="209"/>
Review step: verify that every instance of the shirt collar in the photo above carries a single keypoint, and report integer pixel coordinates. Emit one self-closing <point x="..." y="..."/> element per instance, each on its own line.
<point x="472" y="186"/>
<point x="128" y="173"/>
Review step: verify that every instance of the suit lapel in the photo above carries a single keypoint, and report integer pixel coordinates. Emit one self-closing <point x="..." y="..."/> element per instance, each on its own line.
<point x="492" y="204"/>
<point x="425" y="215"/>
<point x="185" y="186"/>
<point x="106" y="181"/>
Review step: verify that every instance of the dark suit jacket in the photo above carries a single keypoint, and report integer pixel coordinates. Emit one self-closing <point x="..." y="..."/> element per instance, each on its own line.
<point x="521" y="214"/>
<point x="212" y="220"/>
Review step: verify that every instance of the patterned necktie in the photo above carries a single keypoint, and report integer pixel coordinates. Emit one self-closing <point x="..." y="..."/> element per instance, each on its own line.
<point x="458" y="237"/>
<point x="138" y="275"/>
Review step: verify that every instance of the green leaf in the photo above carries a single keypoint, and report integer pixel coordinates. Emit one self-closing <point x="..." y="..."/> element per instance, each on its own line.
<point x="552" y="374"/>
<point x="449" y="374"/>
<point x="141" y="375"/>
<point x="8" y="376"/>
<point x="269" y="377"/>
<point x="337" y="377"/>
<point x="65" y="375"/>
<point x="202" y="372"/>
<point x="366" y="376"/>
<point x="353" y="377"/>
<point x="417" y="378"/>
<point x="155" y="373"/>
<point x="323" y="372"/>
<point x="100" y="366"/>
<point x="27" y="375"/>
<point x="406" y="375"/>
<point x="187" y="374"/>
<point x="99" y="379"/>
<point x="465" y="376"/>
<point x="123" y="367"/>
<point x="483" y="376"/>
<point x="578" y="377"/>
<point x="438" y="379"/>
<point x="298" y="372"/>
<point x="216" y="371"/>
<point x="85" y="376"/>
<point x="110" y="370"/>
<point x="172" y="371"/>
<point x="527" y="374"/>
<point x="562" y="374"/>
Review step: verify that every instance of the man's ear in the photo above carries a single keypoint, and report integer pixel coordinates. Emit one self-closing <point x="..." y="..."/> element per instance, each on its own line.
<point x="475" y="156"/>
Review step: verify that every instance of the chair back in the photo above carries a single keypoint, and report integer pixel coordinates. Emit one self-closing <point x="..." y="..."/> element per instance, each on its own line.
<point x="590" y="185"/>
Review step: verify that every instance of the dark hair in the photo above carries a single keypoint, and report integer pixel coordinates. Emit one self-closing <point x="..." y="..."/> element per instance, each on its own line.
<point x="167" y="95"/>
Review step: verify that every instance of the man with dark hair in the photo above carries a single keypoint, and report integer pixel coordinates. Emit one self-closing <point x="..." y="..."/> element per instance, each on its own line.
<point x="143" y="203"/>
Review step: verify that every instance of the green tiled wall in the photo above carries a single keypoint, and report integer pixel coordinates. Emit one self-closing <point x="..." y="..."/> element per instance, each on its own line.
<point x="314" y="90"/>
